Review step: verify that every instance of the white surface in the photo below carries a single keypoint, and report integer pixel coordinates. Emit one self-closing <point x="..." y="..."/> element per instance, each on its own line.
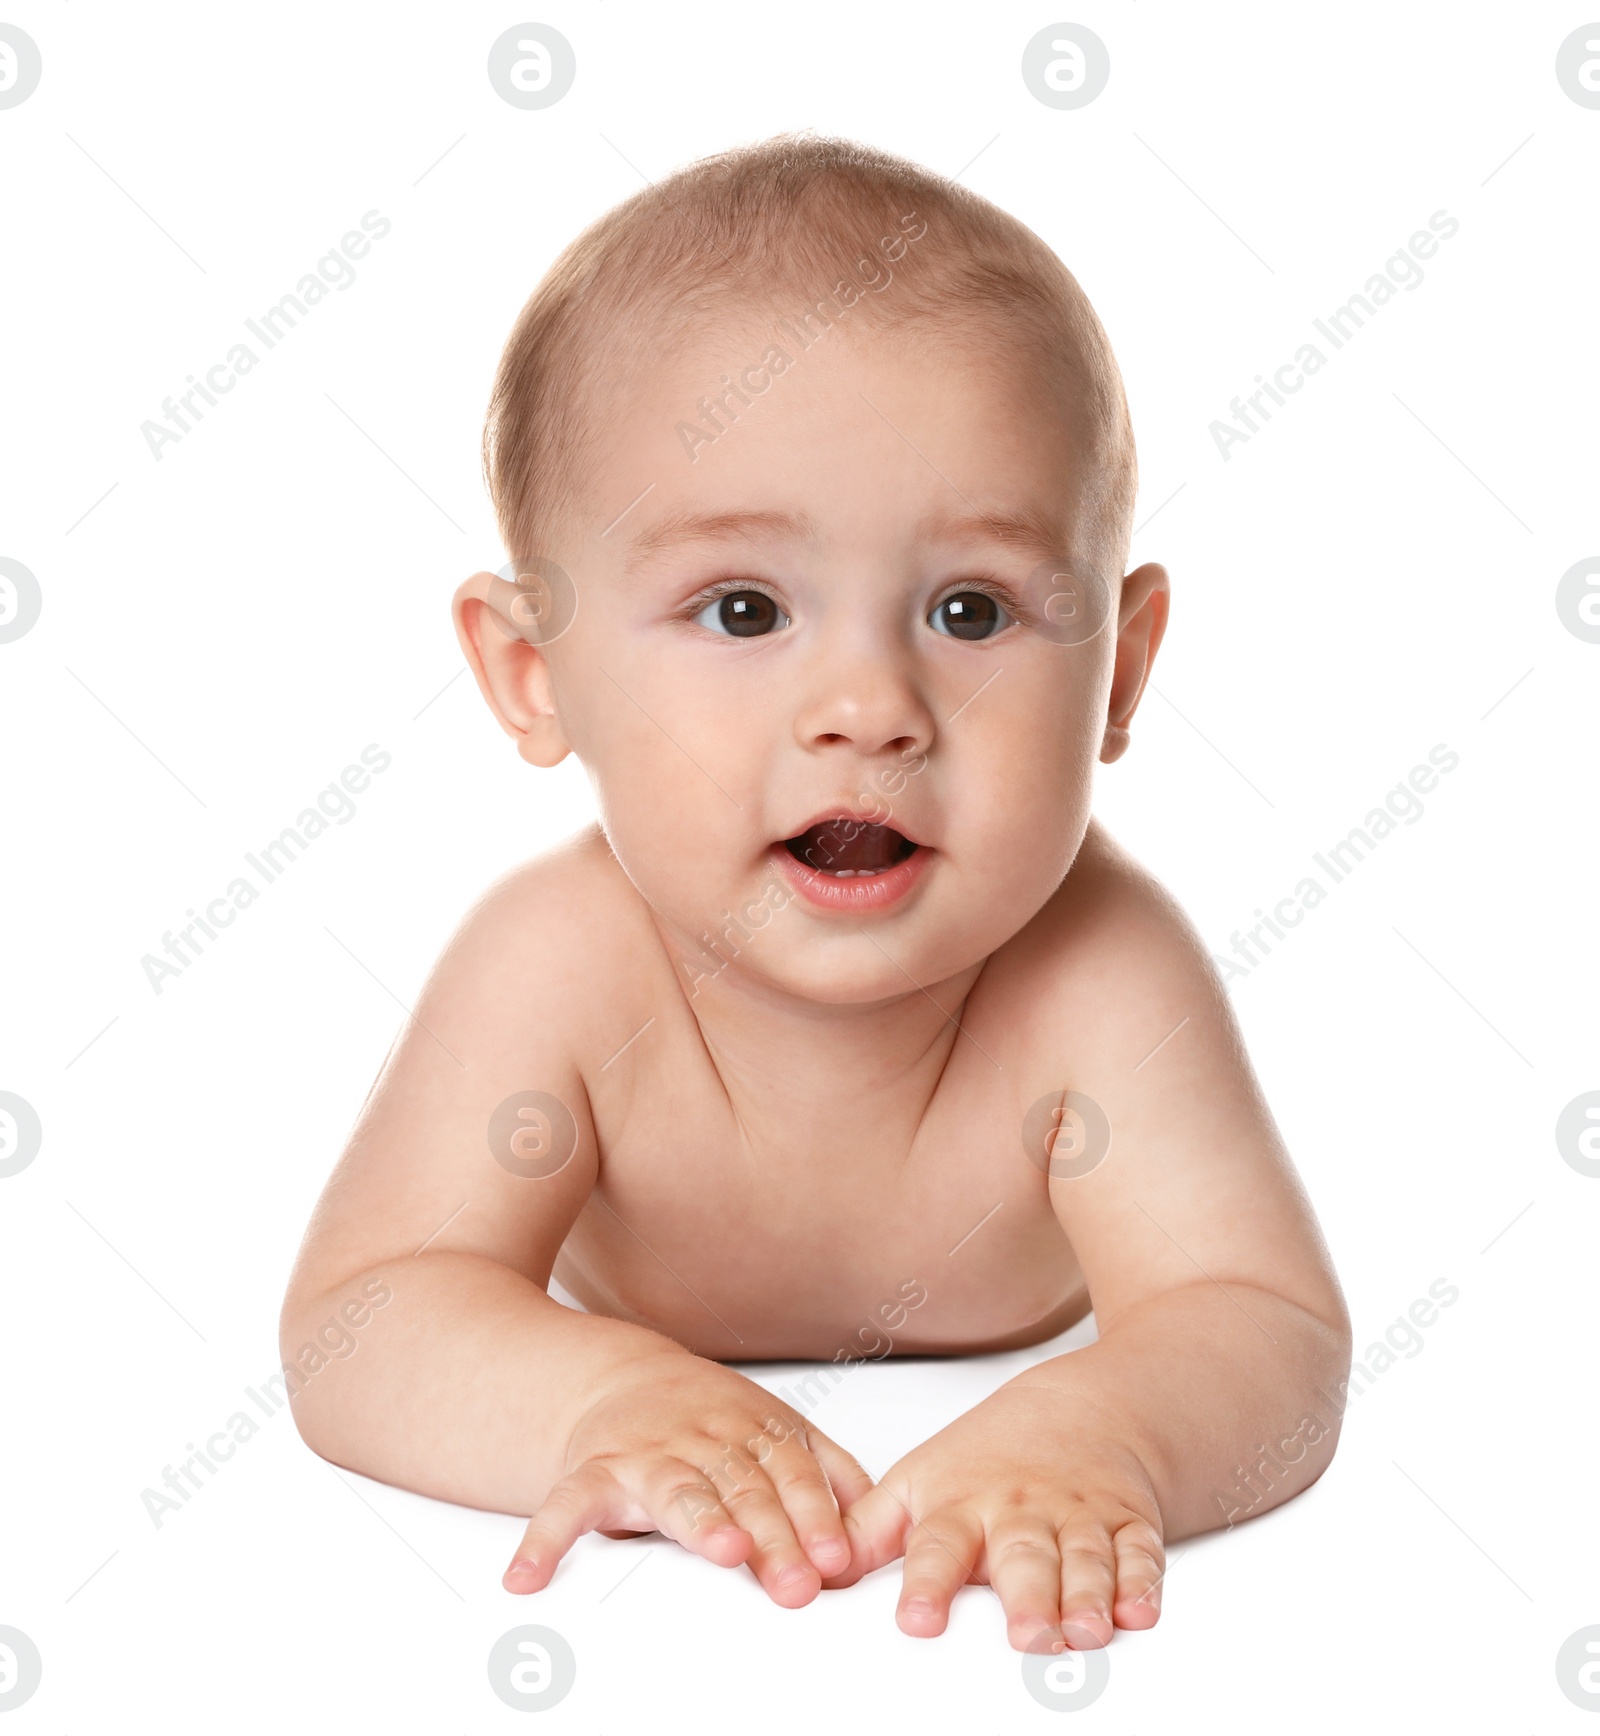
<point x="272" y="596"/>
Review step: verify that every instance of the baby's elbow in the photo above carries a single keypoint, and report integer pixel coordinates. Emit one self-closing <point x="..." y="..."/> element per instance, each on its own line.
<point x="1329" y="1385"/>
<point x="309" y="1344"/>
<point x="1329" y="1342"/>
<point x="1337" y="1346"/>
<point x="315" y="1408"/>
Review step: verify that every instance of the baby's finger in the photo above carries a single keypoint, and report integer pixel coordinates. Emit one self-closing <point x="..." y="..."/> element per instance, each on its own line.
<point x="809" y="1500"/>
<point x="940" y="1555"/>
<point x="1024" y="1567"/>
<point x="687" y="1508"/>
<point x="777" y="1560"/>
<point x="596" y="1496"/>
<point x="850" y="1481"/>
<point x="876" y="1527"/>
<point x="1141" y="1566"/>
<point x="582" y="1501"/>
<point x="1088" y="1582"/>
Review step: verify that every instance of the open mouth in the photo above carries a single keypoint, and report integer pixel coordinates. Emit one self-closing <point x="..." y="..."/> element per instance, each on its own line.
<point x="850" y="849"/>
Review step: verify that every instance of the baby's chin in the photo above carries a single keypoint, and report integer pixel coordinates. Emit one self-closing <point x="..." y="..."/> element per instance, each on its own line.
<point x="765" y="939"/>
<point x="847" y="971"/>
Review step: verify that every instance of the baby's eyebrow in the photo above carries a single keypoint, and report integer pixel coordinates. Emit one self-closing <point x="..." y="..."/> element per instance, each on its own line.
<point x="1031" y="532"/>
<point x="680" y="527"/>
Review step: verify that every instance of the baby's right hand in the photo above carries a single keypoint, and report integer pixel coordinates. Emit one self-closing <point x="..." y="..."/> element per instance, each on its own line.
<point x="697" y="1451"/>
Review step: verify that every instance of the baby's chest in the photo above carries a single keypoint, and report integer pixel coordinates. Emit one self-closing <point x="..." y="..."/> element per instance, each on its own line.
<point x="830" y="1229"/>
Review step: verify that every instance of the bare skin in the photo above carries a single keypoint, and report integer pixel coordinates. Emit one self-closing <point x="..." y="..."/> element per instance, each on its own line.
<point x="823" y="1134"/>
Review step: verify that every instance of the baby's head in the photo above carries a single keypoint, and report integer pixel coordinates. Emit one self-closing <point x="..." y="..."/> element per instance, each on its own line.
<point x="817" y="476"/>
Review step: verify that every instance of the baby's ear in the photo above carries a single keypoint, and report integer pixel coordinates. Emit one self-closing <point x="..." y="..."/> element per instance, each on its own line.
<point x="1141" y="624"/>
<point x="491" y="620"/>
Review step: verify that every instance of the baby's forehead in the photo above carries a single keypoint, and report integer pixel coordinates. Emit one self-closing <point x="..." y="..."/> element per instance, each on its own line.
<point x="695" y="385"/>
<point x="784" y="318"/>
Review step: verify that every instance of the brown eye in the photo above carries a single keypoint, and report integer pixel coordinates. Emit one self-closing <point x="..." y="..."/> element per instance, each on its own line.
<point x="742" y="614"/>
<point x="968" y="615"/>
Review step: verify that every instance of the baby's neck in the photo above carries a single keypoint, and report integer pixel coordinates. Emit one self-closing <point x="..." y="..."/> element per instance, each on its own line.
<point x="781" y="1053"/>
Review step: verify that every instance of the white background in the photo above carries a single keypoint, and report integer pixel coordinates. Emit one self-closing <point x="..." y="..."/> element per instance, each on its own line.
<point x="225" y="629"/>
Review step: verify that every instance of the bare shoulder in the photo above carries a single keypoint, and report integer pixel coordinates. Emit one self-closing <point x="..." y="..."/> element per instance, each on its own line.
<point x="1110" y="954"/>
<point x="556" y="900"/>
<point x="564" y="930"/>
<point x="493" y="1052"/>
<point x="1119" y="1016"/>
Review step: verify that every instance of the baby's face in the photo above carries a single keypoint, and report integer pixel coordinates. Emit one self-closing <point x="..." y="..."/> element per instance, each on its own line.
<point x="812" y="618"/>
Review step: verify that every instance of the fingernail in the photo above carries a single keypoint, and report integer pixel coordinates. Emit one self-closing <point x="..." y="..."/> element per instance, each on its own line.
<point x="832" y="1548"/>
<point x="793" y="1576"/>
<point x="1081" y="1629"/>
<point x="521" y="1568"/>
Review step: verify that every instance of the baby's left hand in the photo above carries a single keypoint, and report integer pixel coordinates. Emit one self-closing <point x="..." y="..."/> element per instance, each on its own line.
<point x="1022" y="1495"/>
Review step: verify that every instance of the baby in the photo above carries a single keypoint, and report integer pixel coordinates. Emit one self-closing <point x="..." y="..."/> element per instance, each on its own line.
<point x="817" y="474"/>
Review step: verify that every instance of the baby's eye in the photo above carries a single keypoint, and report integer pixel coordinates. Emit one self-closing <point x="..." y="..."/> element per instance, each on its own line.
<point x="970" y="615"/>
<point x="742" y="614"/>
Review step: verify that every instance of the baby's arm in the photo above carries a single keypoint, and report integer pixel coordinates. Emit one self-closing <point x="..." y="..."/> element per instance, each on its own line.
<point x="1223" y="1334"/>
<point x="466" y="1381"/>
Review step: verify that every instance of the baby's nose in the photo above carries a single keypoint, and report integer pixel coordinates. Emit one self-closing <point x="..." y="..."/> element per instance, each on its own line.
<point x="872" y="704"/>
